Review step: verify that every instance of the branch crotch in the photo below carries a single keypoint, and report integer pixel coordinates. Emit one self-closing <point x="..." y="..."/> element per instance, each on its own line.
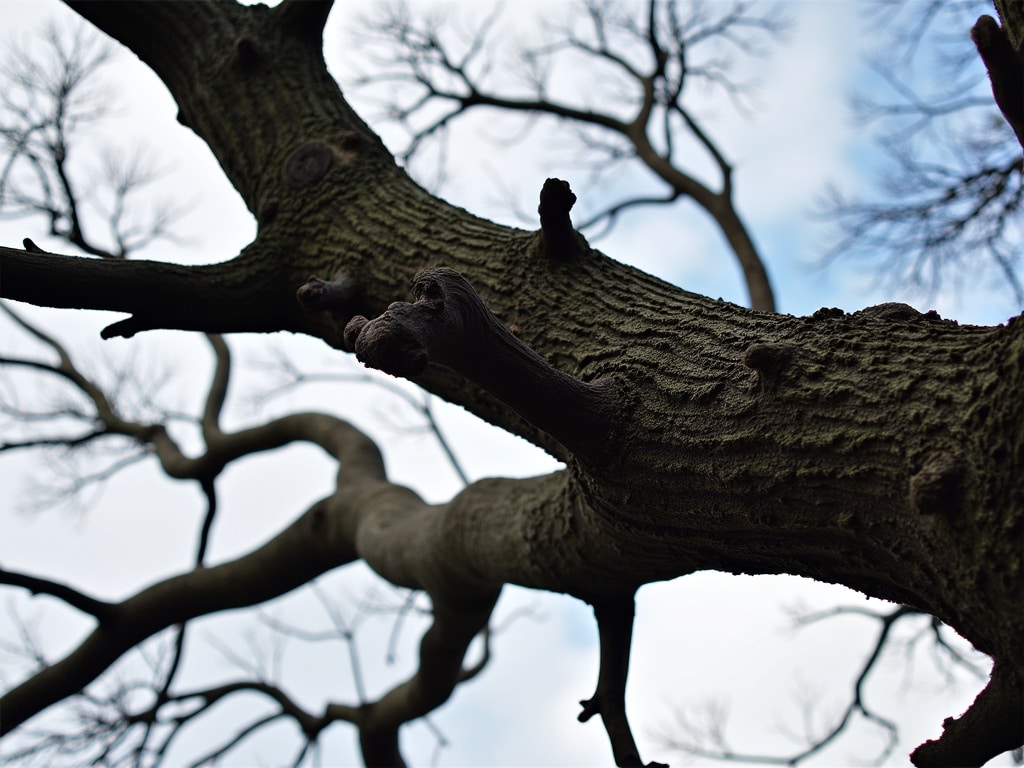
<point x="448" y="324"/>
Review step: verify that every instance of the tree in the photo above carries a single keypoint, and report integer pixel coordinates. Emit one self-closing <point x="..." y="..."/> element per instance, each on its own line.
<point x="878" y="449"/>
<point x="948" y="200"/>
<point x="650" y="67"/>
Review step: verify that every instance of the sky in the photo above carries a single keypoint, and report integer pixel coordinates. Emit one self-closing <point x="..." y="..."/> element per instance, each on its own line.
<point x="707" y="638"/>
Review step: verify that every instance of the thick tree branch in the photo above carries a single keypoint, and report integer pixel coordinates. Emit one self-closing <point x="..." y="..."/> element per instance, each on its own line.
<point x="810" y="454"/>
<point x="440" y="670"/>
<point x="994" y="724"/>
<point x="157" y="295"/>
<point x="321" y="539"/>
<point x="306" y="549"/>
<point x="449" y="324"/>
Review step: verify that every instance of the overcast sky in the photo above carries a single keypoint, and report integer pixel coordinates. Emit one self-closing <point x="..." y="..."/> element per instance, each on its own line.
<point x="706" y="638"/>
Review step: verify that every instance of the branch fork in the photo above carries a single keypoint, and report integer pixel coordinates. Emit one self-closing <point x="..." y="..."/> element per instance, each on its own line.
<point x="448" y="324"/>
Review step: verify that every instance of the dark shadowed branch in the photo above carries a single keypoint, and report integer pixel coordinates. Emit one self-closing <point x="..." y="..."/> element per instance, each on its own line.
<point x="1001" y="47"/>
<point x="315" y="543"/>
<point x="100" y="609"/>
<point x="615" y="629"/>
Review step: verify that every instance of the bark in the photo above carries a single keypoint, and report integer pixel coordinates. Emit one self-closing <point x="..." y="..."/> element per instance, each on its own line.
<point x="881" y="450"/>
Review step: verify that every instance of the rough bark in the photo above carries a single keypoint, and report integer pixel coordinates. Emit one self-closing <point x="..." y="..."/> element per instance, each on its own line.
<point x="881" y="450"/>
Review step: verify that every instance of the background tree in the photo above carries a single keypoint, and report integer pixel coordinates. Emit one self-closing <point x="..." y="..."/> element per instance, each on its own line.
<point x="644" y="66"/>
<point x="551" y="231"/>
<point x="946" y="204"/>
<point x="52" y="92"/>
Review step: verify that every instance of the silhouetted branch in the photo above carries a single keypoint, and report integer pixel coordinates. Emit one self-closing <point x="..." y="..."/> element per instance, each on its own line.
<point x="615" y="627"/>
<point x="948" y="202"/>
<point x="39" y="586"/>
<point x="1005" y="65"/>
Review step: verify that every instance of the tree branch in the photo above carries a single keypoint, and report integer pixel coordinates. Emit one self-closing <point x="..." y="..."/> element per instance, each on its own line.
<point x="449" y="324"/>
<point x="100" y="609"/>
<point x="615" y="627"/>
<point x="300" y="553"/>
<point x="993" y="724"/>
<point x="1005" y="65"/>
<point x="157" y="295"/>
<point x="424" y="63"/>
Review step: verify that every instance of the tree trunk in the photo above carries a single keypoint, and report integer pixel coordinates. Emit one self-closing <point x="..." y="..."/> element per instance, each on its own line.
<point x="882" y="450"/>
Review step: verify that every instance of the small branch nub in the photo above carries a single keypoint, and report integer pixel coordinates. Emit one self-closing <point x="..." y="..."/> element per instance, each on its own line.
<point x="561" y="241"/>
<point x="937" y="489"/>
<point x="339" y="296"/>
<point x="247" y="51"/>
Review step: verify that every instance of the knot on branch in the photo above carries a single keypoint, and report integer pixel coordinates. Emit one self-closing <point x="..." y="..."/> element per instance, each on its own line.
<point x="268" y="212"/>
<point x="767" y="358"/>
<point x="247" y="52"/>
<point x="450" y="325"/>
<point x="307" y="164"/>
<point x="938" y="487"/>
<point x="827" y="313"/>
<point x="444" y="325"/>
<point x="560" y="240"/>
<point x="556" y="200"/>
<point x="892" y="310"/>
